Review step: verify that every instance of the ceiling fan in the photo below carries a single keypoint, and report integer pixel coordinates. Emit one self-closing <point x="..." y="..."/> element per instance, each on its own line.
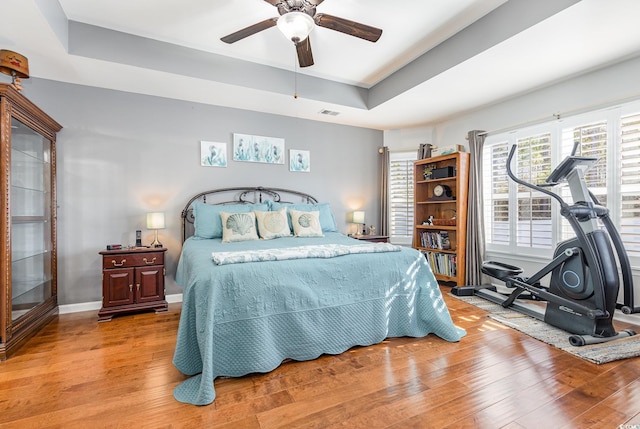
<point x="297" y="19"/>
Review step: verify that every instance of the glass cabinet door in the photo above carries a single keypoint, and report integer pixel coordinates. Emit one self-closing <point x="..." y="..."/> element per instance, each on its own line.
<point x="31" y="238"/>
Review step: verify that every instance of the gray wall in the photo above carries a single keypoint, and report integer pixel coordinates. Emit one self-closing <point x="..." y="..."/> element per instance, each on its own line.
<point x="121" y="155"/>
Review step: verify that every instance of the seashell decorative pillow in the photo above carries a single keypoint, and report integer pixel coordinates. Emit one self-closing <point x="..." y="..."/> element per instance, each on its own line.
<point x="327" y="220"/>
<point x="306" y="224"/>
<point x="207" y="223"/>
<point x="273" y="224"/>
<point x="238" y="226"/>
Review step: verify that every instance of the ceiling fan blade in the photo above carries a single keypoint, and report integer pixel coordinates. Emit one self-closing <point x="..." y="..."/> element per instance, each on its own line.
<point x="277" y="2"/>
<point x="305" y="57"/>
<point x="346" y="26"/>
<point x="250" y="30"/>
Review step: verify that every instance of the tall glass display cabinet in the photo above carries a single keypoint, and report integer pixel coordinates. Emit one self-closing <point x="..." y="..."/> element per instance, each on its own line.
<point x="28" y="289"/>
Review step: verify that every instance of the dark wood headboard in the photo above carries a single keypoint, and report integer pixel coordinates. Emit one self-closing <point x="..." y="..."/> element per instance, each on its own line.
<point x="240" y="196"/>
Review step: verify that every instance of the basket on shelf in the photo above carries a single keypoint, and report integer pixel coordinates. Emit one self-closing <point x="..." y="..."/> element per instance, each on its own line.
<point x="443" y="222"/>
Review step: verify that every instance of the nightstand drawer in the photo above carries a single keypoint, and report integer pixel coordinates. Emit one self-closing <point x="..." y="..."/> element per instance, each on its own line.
<point x="132" y="260"/>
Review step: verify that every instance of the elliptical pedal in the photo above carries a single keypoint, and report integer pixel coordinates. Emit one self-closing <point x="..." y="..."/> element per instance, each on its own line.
<point x="500" y="270"/>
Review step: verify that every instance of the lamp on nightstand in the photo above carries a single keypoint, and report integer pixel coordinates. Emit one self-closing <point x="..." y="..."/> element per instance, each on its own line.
<point x="358" y="218"/>
<point x="155" y="221"/>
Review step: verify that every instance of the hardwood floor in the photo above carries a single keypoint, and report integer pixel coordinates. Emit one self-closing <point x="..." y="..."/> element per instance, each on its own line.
<point x="78" y="373"/>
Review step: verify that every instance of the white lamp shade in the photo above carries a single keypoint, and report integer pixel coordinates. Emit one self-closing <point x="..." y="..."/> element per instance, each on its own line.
<point x="155" y="220"/>
<point x="296" y="26"/>
<point x="358" y="217"/>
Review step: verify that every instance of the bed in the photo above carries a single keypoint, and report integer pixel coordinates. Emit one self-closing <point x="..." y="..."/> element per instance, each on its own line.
<point x="303" y="291"/>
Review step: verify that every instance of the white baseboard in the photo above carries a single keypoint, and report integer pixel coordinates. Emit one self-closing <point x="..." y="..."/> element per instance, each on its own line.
<point x="97" y="305"/>
<point x="77" y="308"/>
<point x="633" y="319"/>
<point x="176" y="297"/>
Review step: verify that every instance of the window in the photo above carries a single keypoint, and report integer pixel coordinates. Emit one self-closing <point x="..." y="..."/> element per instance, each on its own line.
<point x="533" y="159"/>
<point x="523" y="221"/>
<point x="401" y="196"/>
<point x="591" y="140"/>
<point x="629" y="167"/>
<point x="496" y="193"/>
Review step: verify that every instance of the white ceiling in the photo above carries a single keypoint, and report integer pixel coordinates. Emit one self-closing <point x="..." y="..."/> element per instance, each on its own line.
<point x="435" y="59"/>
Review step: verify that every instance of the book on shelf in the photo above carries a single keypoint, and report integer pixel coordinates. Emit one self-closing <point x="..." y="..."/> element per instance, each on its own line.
<point x="435" y="240"/>
<point x="445" y="243"/>
<point x="442" y="263"/>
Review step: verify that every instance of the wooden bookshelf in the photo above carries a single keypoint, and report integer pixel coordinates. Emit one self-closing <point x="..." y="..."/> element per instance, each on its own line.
<point x="450" y="175"/>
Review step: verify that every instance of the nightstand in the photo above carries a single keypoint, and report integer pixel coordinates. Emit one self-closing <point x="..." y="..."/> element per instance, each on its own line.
<point x="372" y="238"/>
<point x="132" y="281"/>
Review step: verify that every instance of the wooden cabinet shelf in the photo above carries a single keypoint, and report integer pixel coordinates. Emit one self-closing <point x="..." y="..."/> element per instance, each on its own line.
<point x="28" y="280"/>
<point x="443" y="179"/>
<point x="426" y="249"/>
<point x="437" y="227"/>
<point x="443" y="245"/>
<point x="435" y="202"/>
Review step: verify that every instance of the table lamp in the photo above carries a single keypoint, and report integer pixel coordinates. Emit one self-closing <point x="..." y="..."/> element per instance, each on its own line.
<point x="155" y="221"/>
<point x="358" y="218"/>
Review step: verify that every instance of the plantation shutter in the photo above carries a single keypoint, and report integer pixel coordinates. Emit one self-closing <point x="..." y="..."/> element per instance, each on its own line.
<point x="630" y="184"/>
<point x="534" y="225"/>
<point x="401" y="194"/>
<point x="592" y="142"/>
<point x="497" y="201"/>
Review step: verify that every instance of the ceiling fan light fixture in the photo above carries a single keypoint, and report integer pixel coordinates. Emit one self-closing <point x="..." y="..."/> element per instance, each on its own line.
<point x="296" y="26"/>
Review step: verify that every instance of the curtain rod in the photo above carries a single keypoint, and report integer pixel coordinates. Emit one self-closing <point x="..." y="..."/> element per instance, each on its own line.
<point x="557" y="116"/>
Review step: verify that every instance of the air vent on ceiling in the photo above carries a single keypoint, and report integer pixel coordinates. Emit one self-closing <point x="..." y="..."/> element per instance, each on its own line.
<point x="329" y="112"/>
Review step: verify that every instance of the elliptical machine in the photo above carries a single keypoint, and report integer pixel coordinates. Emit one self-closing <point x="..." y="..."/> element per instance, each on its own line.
<point x="583" y="288"/>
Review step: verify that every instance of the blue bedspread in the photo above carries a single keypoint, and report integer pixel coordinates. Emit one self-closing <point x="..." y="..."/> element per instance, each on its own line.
<point x="242" y="318"/>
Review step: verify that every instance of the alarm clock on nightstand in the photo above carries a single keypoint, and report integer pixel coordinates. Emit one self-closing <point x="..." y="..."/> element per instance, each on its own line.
<point x="442" y="192"/>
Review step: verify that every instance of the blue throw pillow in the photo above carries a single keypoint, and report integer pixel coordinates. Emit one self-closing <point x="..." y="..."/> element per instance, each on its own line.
<point x="208" y="223"/>
<point x="327" y="220"/>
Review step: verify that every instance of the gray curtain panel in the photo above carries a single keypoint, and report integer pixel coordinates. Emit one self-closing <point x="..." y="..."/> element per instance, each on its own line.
<point x="384" y="190"/>
<point x="475" y="221"/>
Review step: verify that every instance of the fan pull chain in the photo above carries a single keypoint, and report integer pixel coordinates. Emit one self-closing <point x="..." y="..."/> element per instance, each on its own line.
<point x="295" y="76"/>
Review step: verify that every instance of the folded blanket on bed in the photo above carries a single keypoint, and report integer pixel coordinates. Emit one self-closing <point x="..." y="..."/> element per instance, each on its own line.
<point x="300" y="252"/>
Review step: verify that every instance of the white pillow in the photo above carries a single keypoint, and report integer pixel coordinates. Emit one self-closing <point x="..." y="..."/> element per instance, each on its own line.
<point x="306" y="224"/>
<point x="273" y="224"/>
<point x="238" y="226"/>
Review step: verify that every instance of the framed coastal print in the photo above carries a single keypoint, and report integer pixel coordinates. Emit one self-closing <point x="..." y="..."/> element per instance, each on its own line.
<point x="213" y="154"/>
<point x="250" y="148"/>
<point x="299" y="160"/>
